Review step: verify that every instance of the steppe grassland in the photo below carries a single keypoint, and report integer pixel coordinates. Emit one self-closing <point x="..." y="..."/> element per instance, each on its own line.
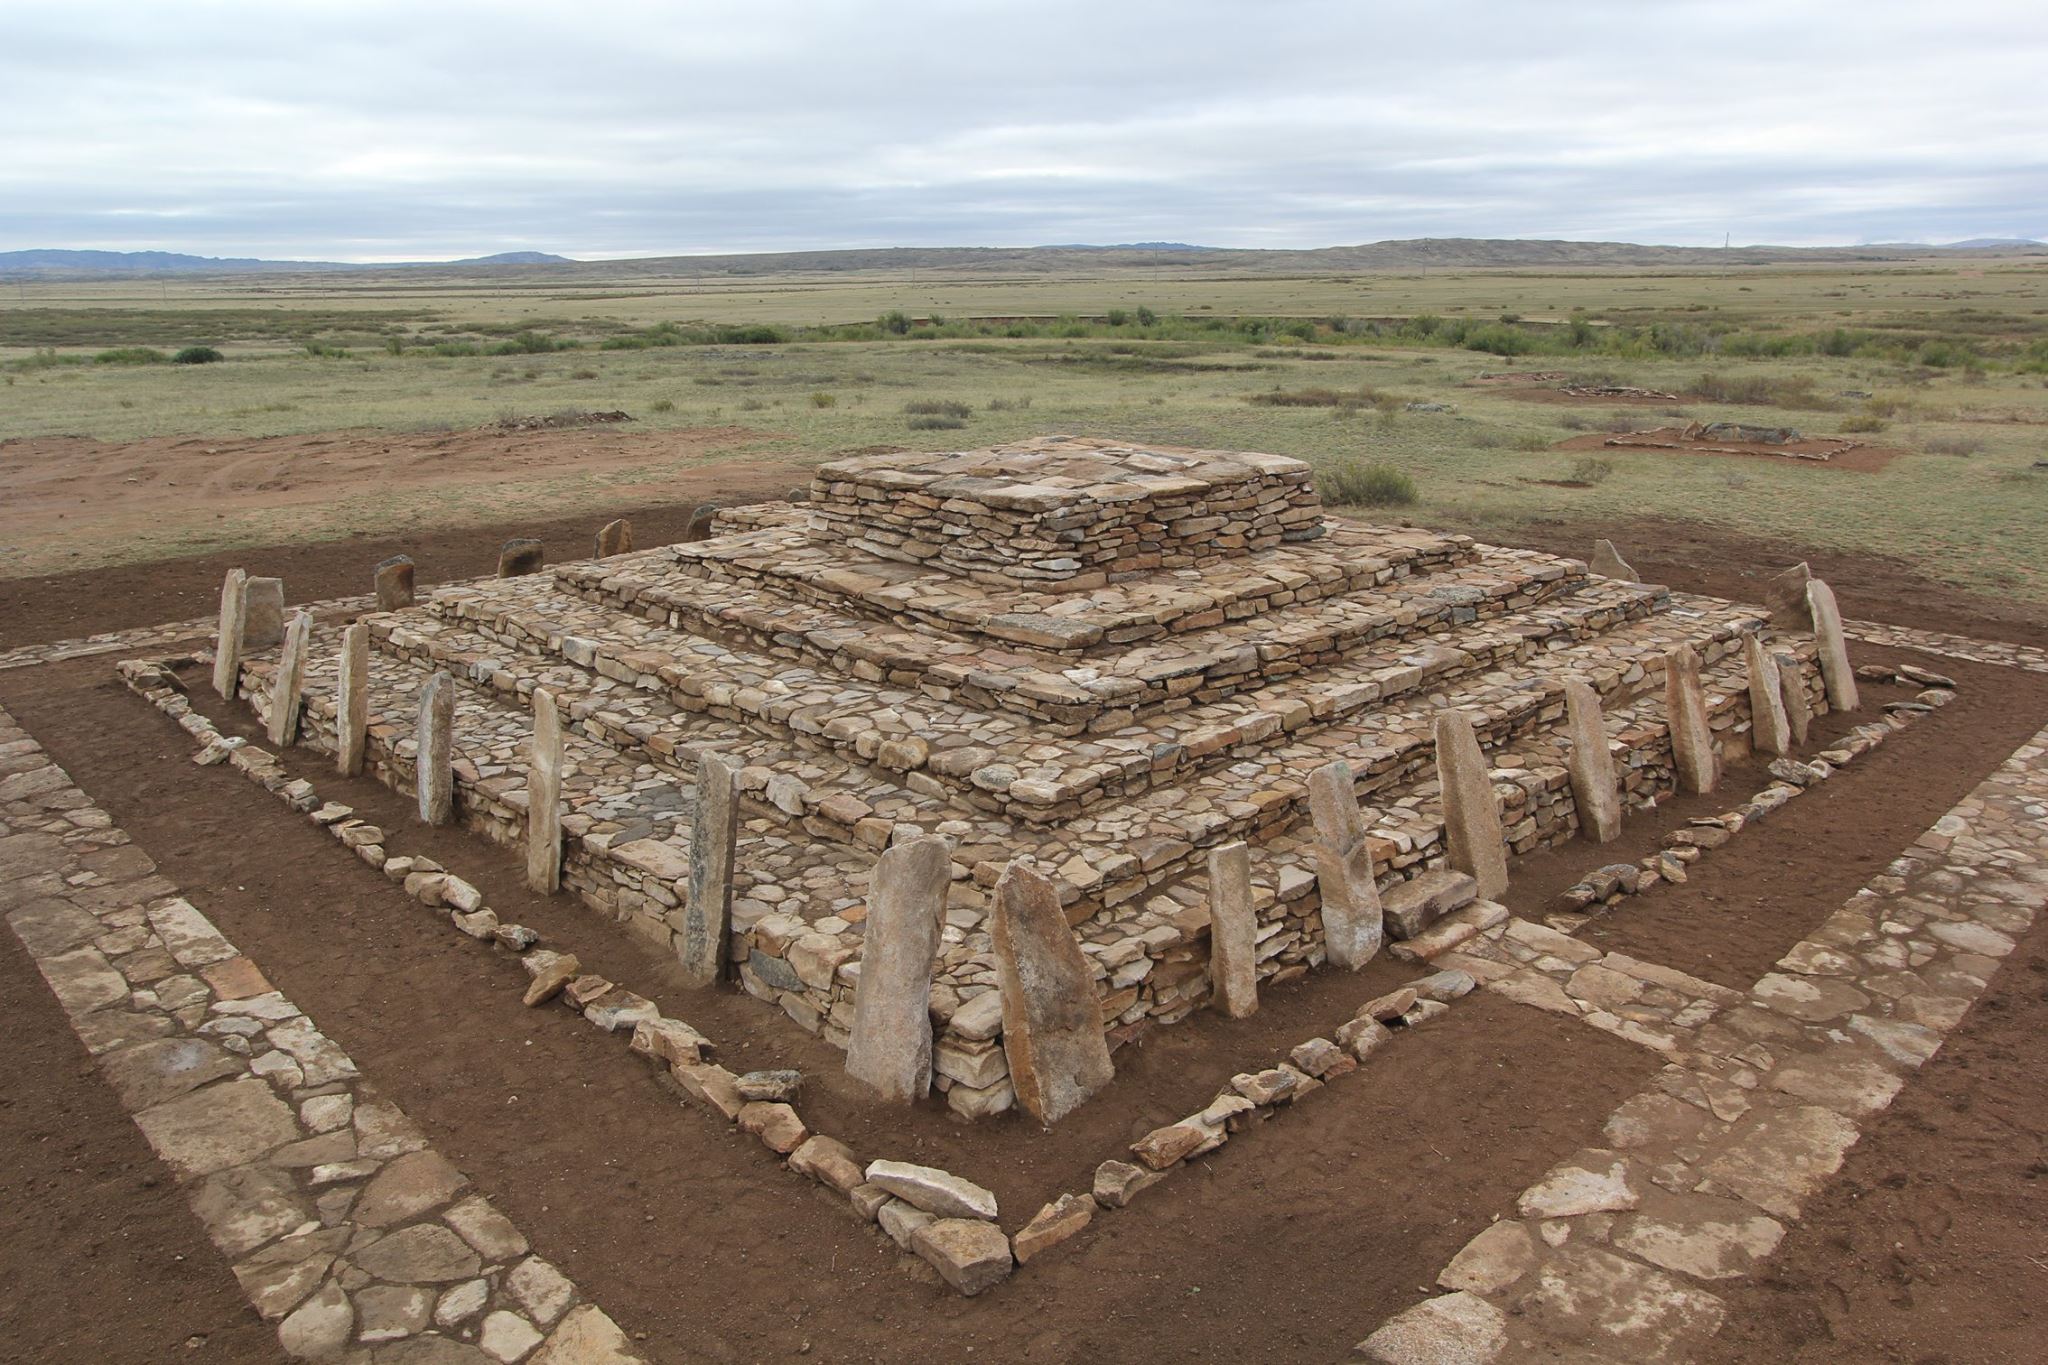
<point x="1972" y="516"/>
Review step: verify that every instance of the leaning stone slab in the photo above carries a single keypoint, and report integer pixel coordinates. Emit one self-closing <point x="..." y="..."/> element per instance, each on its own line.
<point x="1770" y="729"/>
<point x="1608" y="563"/>
<point x="937" y="1192"/>
<point x="1353" y="927"/>
<point x="1595" y="791"/>
<point x="227" y="648"/>
<point x="1053" y="1224"/>
<point x="1052" y="1016"/>
<point x="394" y="583"/>
<point x="434" y="776"/>
<point x="544" y="795"/>
<point x="520" y="555"/>
<point x="1694" y="754"/>
<point x="614" y="538"/>
<point x="263" y="615"/>
<point x="891" y="1045"/>
<point x="699" y="525"/>
<point x="1792" y="689"/>
<point x="1785" y="595"/>
<point x="1834" y="650"/>
<point x="1414" y="905"/>
<point x="704" y="941"/>
<point x="1472" y="832"/>
<point x="288" y="689"/>
<point x="1233" y="932"/>
<point x="352" y="701"/>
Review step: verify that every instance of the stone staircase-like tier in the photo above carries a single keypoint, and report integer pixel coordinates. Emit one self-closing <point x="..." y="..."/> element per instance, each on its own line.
<point x="1113" y="722"/>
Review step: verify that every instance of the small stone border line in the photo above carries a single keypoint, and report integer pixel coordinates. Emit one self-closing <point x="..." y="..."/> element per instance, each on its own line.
<point x="149" y="637"/>
<point x="1609" y="1257"/>
<point x="1607" y="886"/>
<point x="1968" y="648"/>
<point x="342" y="1226"/>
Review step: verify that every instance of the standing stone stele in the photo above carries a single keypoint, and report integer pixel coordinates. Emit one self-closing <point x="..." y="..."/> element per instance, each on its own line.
<point x="891" y="1045"/>
<point x="1595" y="791"/>
<point x="288" y="688"/>
<point x="704" y="942"/>
<point x="1835" y="671"/>
<point x="1233" y="933"/>
<point x="1052" y="1016"/>
<point x="699" y="526"/>
<point x="434" y="776"/>
<point x="520" y="555"/>
<point x="263" y="613"/>
<point x="1694" y="756"/>
<point x="394" y="583"/>
<point x="1792" y="686"/>
<point x="227" y="648"/>
<point x="1473" y="840"/>
<point x="544" y="795"/>
<point x="615" y="538"/>
<point x="352" y="701"/>
<point x="1354" y="926"/>
<point x="1608" y="563"/>
<point x="1770" y="731"/>
<point x="1785" y="595"/>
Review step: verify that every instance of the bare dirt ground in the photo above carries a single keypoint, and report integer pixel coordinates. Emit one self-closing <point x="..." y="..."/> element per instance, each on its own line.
<point x="1863" y="459"/>
<point x="701" y="1248"/>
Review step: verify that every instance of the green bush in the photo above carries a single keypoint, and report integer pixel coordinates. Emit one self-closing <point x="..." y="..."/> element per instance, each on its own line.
<point x="1591" y="469"/>
<point x="824" y="400"/>
<point x="131" y="355"/>
<point x="197" y="355"/>
<point x="1357" y="483"/>
<point x="938" y="407"/>
<point x="933" y="422"/>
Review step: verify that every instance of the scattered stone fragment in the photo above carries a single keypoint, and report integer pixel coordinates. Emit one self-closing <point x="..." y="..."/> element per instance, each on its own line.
<point x="780" y="1086"/>
<point x="829" y="1162"/>
<point x="392" y="581"/>
<point x="937" y="1192"/>
<point x="777" y="1125"/>
<point x="1053" y="1224"/>
<point x="970" y="1255"/>
<point x="1119" y="1182"/>
<point x="550" y="972"/>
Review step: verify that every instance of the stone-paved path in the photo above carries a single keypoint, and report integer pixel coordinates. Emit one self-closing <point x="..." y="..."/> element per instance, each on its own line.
<point x="150" y="637"/>
<point x="1612" y="1255"/>
<point x="343" y="1227"/>
<point x="2029" y="657"/>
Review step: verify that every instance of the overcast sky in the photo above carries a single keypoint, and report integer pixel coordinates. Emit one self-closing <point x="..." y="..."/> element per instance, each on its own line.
<point x="361" y="130"/>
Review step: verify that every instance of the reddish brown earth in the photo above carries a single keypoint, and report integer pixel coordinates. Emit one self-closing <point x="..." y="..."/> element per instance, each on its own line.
<point x="1290" y="1244"/>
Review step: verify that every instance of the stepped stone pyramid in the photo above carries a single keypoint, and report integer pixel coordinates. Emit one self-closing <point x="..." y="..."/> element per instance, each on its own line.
<point x="1107" y="657"/>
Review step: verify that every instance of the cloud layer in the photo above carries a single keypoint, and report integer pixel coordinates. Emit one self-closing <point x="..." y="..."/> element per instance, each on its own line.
<point x="375" y="131"/>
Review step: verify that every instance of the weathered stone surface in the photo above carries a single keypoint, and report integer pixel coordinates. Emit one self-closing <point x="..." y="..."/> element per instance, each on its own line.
<point x="392" y="581"/>
<point x="705" y="940"/>
<point x="1775" y="1159"/>
<point x="352" y="700"/>
<point x="1693" y="751"/>
<point x="263" y="613"/>
<point x="407" y="1187"/>
<point x="1770" y="730"/>
<point x="1472" y="829"/>
<point x="434" y="781"/>
<point x="520" y="555"/>
<point x="1052" y="1021"/>
<point x="488" y="1231"/>
<point x="1118" y="1182"/>
<point x="1608" y="563"/>
<point x="320" y="1327"/>
<point x="544" y="795"/>
<point x="1595" y="791"/>
<point x="829" y="1162"/>
<point x="152" y="1072"/>
<point x="1492" y="1261"/>
<point x="777" y="1125"/>
<point x="230" y="1124"/>
<point x="506" y="1336"/>
<point x="1618" y="1306"/>
<point x="586" y="1337"/>
<point x="614" y="538"/>
<point x="1454" y="1329"/>
<point x="1835" y="670"/>
<point x="1699" y="1236"/>
<point x="550" y="973"/>
<point x="1792" y="690"/>
<point x="1591" y="1182"/>
<point x="1412" y="906"/>
<point x="1053" y="1224"/>
<point x="937" y="1192"/>
<point x="425" y="1253"/>
<point x="891" y="1045"/>
<point x="1233" y="933"/>
<point x="970" y="1255"/>
<point x="246" y="1206"/>
<point x="699" y="525"/>
<point x="1785" y="595"/>
<point x="288" y="688"/>
<point x="1353" y="928"/>
<point x="227" y="643"/>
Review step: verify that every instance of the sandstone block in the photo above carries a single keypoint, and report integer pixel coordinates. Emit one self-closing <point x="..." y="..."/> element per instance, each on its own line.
<point x="1052" y="1020"/>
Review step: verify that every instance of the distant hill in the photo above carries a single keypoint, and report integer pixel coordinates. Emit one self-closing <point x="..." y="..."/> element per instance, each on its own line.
<point x="75" y="264"/>
<point x="1973" y="244"/>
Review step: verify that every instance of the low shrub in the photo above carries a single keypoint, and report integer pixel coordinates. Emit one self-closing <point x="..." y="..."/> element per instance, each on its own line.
<point x="1864" y="422"/>
<point x="824" y="400"/>
<point x="1358" y="483"/>
<point x="935" y="422"/>
<point x="1954" y="445"/>
<point x="130" y="355"/>
<point x="1591" y="469"/>
<point x="197" y="355"/>
<point x="937" y="407"/>
<point x="662" y="405"/>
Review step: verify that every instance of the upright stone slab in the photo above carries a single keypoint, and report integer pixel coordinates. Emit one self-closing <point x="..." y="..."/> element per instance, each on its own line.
<point x="1608" y="563"/>
<point x="699" y="526"/>
<point x="1834" y="650"/>
<point x="1473" y="841"/>
<point x="394" y="583"/>
<point x="520" y="555"/>
<point x="352" y="701"/>
<point x="1693" y="753"/>
<point x="1594" y="789"/>
<point x="434" y="776"/>
<point x="227" y="648"/>
<point x="1785" y="595"/>
<point x="263" y="614"/>
<point x="1792" y="687"/>
<point x="1770" y="730"/>
<point x="544" y="795"/>
<point x="891" y="1046"/>
<point x="1233" y="932"/>
<point x="704" y="942"/>
<point x="615" y="538"/>
<point x="288" y="688"/>
<point x="1354" y="926"/>
<point x="1052" y="1016"/>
